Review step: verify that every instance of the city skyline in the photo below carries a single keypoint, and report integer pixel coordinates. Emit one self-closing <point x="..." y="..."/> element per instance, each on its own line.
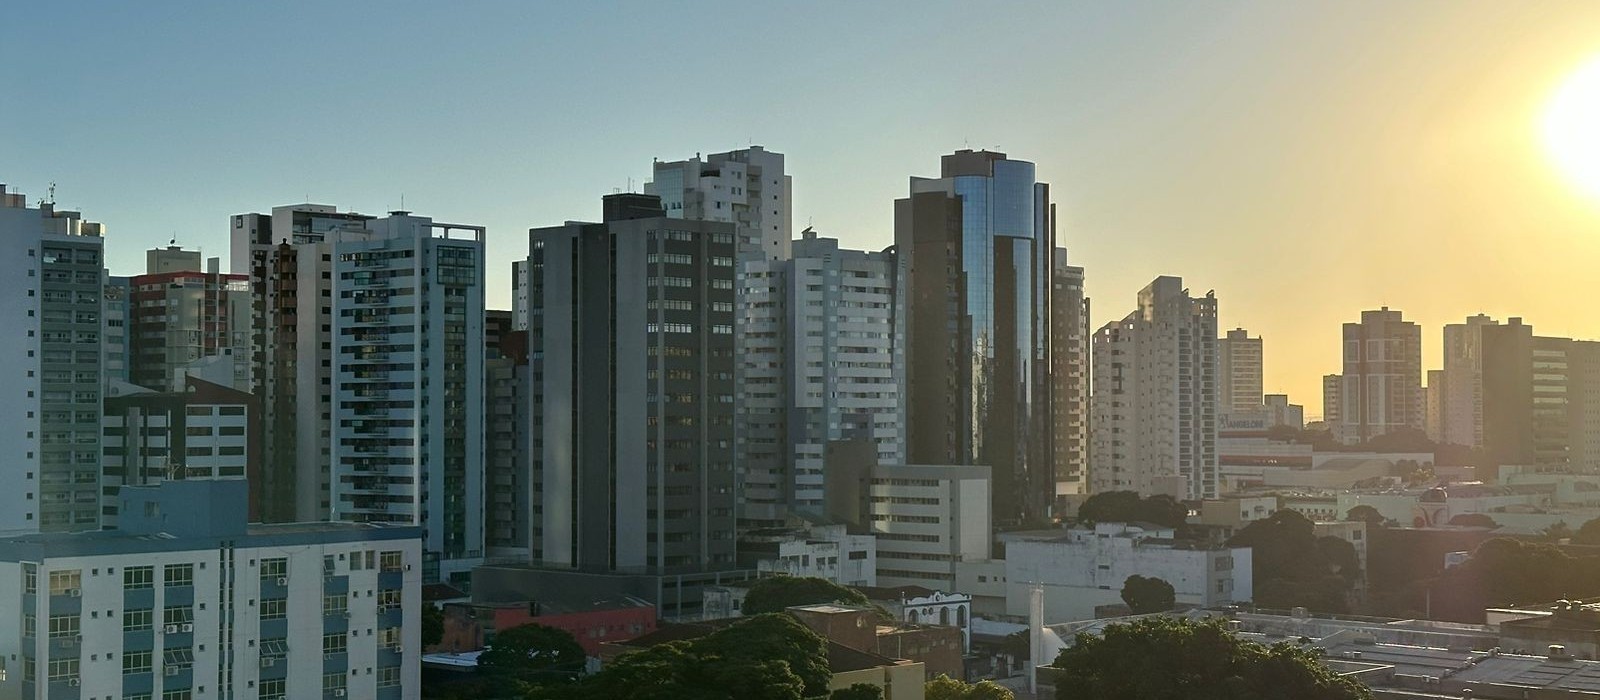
<point x="1429" y="148"/>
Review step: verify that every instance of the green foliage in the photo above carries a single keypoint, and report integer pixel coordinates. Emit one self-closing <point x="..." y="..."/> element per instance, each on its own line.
<point x="1292" y="567"/>
<point x="1148" y="594"/>
<point x="1165" y="658"/>
<point x="1505" y="571"/>
<point x="533" y="654"/>
<point x="947" y="688"/>
<point x="1589" y="533"/>
<point x="1128" y="507"/>
<point x="858" y="691"/>
<point x="775" y="593"/>
<point x="1557" y="532"/>
<point x="432" y="625"/>
<point x="766" y="657"/>
<point x="1474" y="520"/>
<point x="1366" y="514"/>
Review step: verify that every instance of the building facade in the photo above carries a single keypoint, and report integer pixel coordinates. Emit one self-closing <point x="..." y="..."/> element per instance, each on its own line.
<point x="1540" y="398"/>
<point x="1070" y="335"/>
<point x="927" y="519"/>
<point x="631" y="359"/>
<point x="746" y="188"/>
<point x="973" y="285"/>
<point x="1461" y="382"/>
<point x="207" y="431"/>
<point x="185" y="600"/>
<point x="1154" y="410"/>
<point x="1381" y="385"/>
<point x="53" y="380"/>
<point x="182" y="310"/>
<point x="1239" y="359"/>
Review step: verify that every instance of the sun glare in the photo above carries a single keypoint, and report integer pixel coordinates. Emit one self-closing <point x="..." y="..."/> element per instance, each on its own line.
<point x="1572" y="127"/>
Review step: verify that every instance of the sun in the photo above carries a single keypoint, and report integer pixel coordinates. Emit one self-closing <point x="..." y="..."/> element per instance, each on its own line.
<point x="1572" y="127"/>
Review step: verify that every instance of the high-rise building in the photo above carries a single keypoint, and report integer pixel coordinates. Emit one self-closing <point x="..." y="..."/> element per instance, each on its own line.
<point x="507" y="511"/>
<point x="1381" y="385"/>
<point x="746" y="188"/>
<point x="1239" y="372"/>
<point x="974" y="250"/>
<point x="1541" y="398"/>
<point x="1460" y="390"/>
<point x="928" y="518"/>
<point x="1433" y="393"/>
<point x="631" y="391"/>
<point x="114" y="329"/>
<point x="184" y="599"/>
<point x="1154" y="410"/>
<point x="1332" y="401"/>
<point x="820" y="365"/>
<point x="1281" y="412"/>
<point x="407" y="390"/>
<point x="181" y="311"/>
<point x="1070" y="335"/>
<point x="54" y="367"/>
<point x="288" y="256"/>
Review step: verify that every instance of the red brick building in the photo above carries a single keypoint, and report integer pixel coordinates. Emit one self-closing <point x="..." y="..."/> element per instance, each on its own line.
<point x="472" y="626"/>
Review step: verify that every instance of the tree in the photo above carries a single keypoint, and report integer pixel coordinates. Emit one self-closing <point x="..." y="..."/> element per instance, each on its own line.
<point x="1166" y="658"/>
<point x="858" y="691"/>
<point x="432" y="625"/>
<point x="947" y="688"/>
<point x="775" y="593"/>
<point x="1557" y="532"/>
<point x="1474" y="520"/>
<point x="1148" y="595"/>
<point x="1292" y="567"/>
<point x="1128" y="507"/>
<point x="1588" y="533"/>
<point x="1366" y="514"/>
<point x="533" y="653"/>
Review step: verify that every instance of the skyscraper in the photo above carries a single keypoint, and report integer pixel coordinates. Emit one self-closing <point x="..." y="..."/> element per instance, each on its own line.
<point x="631" y="426"/>
<point x="1461" y="382"/>
<point x="746" y="188"/>
<point x="1239" y="359"/>
<point x="1070" y="335"/>
<point x="973" y="289"/>
<point x="181" y="311"/>
<point x="1154" y="410"/>
<point x="53" y="382"/>
<point x="820" y="365"/>
<point x="407" y="391"/>
<point x="1541" y="398"/>
<point x="1381" y="386"/>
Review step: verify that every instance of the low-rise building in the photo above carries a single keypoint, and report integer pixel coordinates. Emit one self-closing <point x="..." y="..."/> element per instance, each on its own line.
<point x="918" y="605"/>
<point x="473" y="626"/>
<point x="820" y="551"/>
<point x="927" y="518"/>
<point x="184" y="599"/>
<point x="1082" y="568"/>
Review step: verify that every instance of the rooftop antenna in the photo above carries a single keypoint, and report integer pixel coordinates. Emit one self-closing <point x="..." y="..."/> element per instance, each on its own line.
<point x="630" y="184"/>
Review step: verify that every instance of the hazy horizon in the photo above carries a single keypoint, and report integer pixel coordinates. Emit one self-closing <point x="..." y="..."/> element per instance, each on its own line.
<point x="1306" y="161"/>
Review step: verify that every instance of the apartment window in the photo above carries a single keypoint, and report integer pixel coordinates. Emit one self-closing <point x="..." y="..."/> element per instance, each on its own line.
<point x="177" y="615"/>
<point x="389" y="637"/>
<point x="181" y="694"/>
<point x="138" y="619"/>
<point x="135" y="662"/>
<point x="273" y="689"/>
<point x="275" y="647"/>
<point x="63" y="626"/>
<point x="388" y="600"/>
<point x="335" y="604"/>
<point x="334" y="643"/>
<point x="134" y="577"/>
<point x="179" y="574"/>
<point x="61" y="582"/>
<point x="388" y="676"/>
<point x="332" y="682"/>
<point x="274" y="608"/>
<point x="136" y="696"/>
<point x="30" y="578"/>
<point x="62" y="669"/>
<point x="390" y="561"/>
<point x="30" y="625"/>
<point x="180" y="657"/>
<point x="275" y="568"/>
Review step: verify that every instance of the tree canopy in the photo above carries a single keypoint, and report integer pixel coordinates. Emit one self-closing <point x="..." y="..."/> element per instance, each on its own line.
<point x="1474" y="520"/>
<point x="1166" y="658"/>
<point x="1588" y="533"/>
<point x="432" y="625"/>
<point x="766" y="657"/>
<point x="1128" y="507"/>
<point x="1366" y="514"/>
<point x="533" y="654"/>
<point x="947" y="688"/>
<point x="1292" y="567"/>
<point x="1148" y="594"/>
<point x="1505" y="571"/>
<point x="858" y="691"/>
<point x="775" y="593"/>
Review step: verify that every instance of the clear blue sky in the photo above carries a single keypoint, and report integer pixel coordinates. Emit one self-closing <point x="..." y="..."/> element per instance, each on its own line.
<point x="1306" y="160"/>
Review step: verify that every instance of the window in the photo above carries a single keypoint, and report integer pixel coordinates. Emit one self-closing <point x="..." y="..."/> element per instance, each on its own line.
<point x="273" y="689"/>
<point x="390" y="561"/>
<point x="275" y="568"/>
<point x="177" y="615"/>
<point x="332" y="682"/>
<point x="30" y="578"/>
<point x="62" y="669"/>
<point x="179" y="574"/>
<point x="388" y="677"/>
<point x="333" y="643"/>
<point x="137" y="619"/>
<point x="274" y="608"/>
<point x="63" y="626"/>
<point x="275" y="647"/>
<point x="62" y="582"/>
<point x="388" y="600"/>
<point x="389" y="637"/>
<point x="135" y="662"/>
<point x="179" y="657"/>
<point x="30" y="625"/>
<point x="335" y="605"/>
<point x="181" y="694"/>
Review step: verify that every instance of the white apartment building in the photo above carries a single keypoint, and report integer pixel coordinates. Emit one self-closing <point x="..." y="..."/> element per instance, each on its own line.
<point x="747" y="188"/>
<point x="1239" y="372"/>
<point x="1154" y="409"/>
<point x="204" y="432"/>
<point x="407" y="394"/>
<point x="1460" y="384"/>
<point x="820" y="364"/>
<point x="822" y="551"/>
<point x="185" y="601"/>
<point x="928" y="519"/>
<point x="1070" y="335"/>
<point x="53" y="277"/>
<point x="1082" y="568"/>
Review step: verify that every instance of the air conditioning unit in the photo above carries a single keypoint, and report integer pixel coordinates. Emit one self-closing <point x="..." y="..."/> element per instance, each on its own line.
<point x="188" y="627"/>
<point x="172" y="670"/>
<point x="399" y="649"/>
<point x="283" y="580"/>
<point x="170" y="629"/>
<point x="69" y="641"/>
<point x="267" y="661"/>
<point x="338" y="692"/>
<point x="75" y="592"/>
<point x="73" y="681"/>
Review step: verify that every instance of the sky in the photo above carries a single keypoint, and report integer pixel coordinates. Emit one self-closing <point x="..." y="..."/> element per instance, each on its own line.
<point x="1305" y="160"/>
